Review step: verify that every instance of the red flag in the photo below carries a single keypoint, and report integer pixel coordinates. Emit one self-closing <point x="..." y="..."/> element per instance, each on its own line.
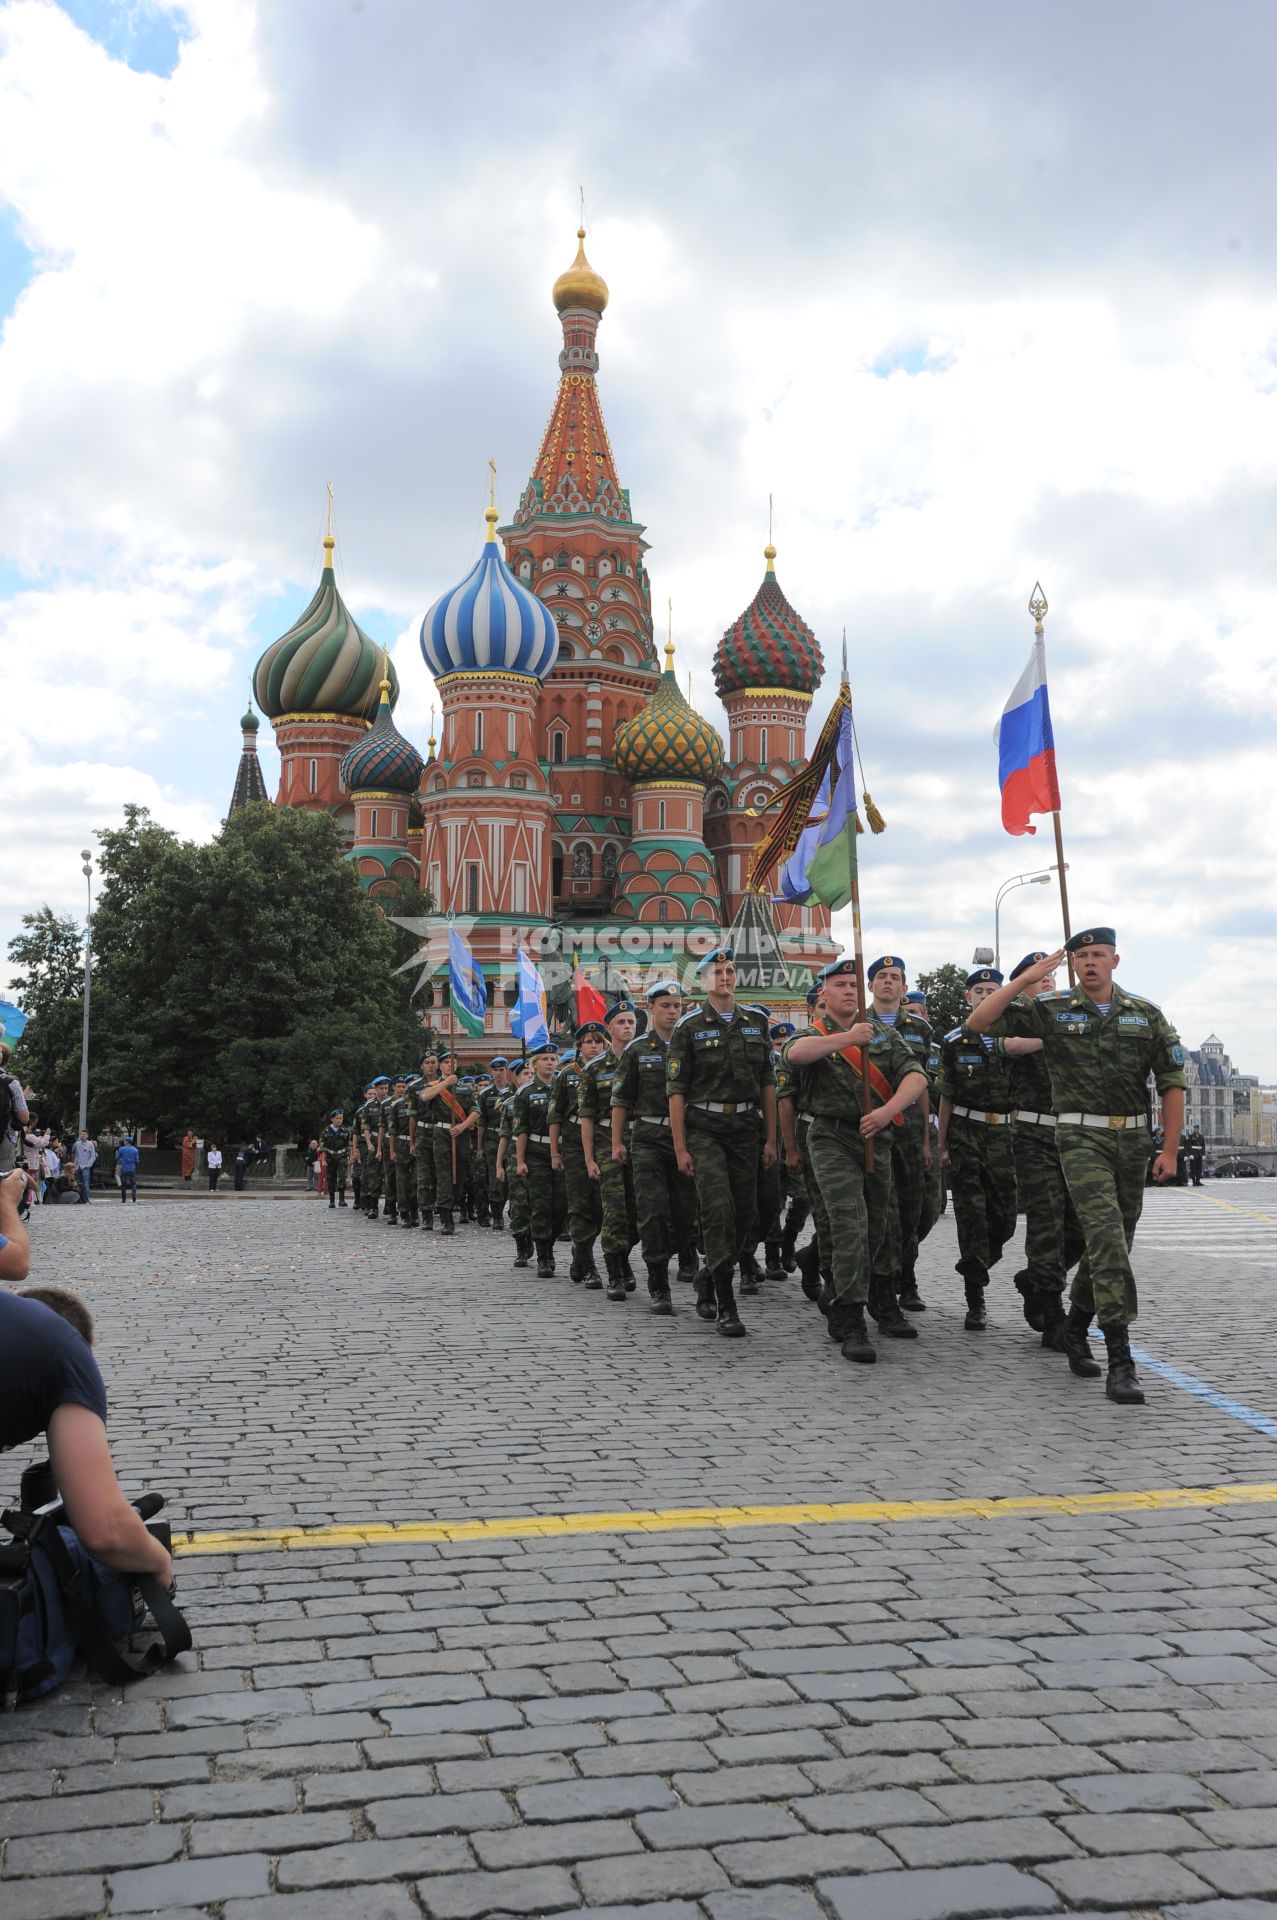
<point x="590" y="1004"/>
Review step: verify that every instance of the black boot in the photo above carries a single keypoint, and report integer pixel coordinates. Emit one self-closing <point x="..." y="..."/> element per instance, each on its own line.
<point x="772" y="1268"/>
<point x="616" y="1288"/>
<point x="497" y="1222"/>
<point x="1054" y="1323"/>
<point x="687" y="1266"/>
<point x="1123" y="1383"/>
<point x="910" y="1299"/>
<point x="658" y="1286"/>
<point x="332" y="1200"/>
<point x="627" y="1272"/>
<point x="576" y="1272"/>
<point x="788" y="1246"/>
<point x="1077" y="1346"/>
<point x="522" y="1249"/>
<point x="545" y="1259"/>
<point x="977" y="1320"/>
<point x="705" y="1307"/>
<point x="847" y="1326"/>
<point x="391" y="1217"/>
<point x="809" y="1270"/>
<point x="446" y="1225"/>
<point x="749" y="1273"/>
<point x="885" y="1308"/>
<point x="427" y="1220"/>
<point x="1032" y="1299"/>
<point x="592" y="1278"/>
<point x="730" y="1324"/>
<point x="407" y="1222"/>
<point x="342" y="1201"/>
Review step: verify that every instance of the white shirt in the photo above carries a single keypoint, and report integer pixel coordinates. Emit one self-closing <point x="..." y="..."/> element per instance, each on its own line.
<point x="214" y="1157"/>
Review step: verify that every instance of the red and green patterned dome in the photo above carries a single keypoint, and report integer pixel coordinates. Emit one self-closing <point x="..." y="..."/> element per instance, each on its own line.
<point x="769" y="645"/>
<point x="668" y="740"/>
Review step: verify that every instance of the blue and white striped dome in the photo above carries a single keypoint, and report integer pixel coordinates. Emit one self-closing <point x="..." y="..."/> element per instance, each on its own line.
<point x="490" y="623"/>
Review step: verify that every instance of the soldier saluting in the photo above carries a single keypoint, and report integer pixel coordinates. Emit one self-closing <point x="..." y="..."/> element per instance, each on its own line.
<point x="722" y="1093"/>
<point x="1100" y="1043"/>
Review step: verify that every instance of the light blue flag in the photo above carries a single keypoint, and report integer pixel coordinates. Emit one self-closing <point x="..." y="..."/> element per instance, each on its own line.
<point x="465" y="978"/>
<point x="12" y="1021"/>
<point x="527" y="1015"/>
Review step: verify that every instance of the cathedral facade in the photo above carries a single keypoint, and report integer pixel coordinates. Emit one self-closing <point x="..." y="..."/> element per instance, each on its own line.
<point x="574" y="802"/>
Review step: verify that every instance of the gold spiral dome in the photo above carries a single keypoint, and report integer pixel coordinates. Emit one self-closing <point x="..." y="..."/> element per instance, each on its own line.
<point x="668" y="739"/>
<point x="580" y="286"/>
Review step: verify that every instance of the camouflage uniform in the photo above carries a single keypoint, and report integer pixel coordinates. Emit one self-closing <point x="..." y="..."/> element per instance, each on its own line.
<point x="1052" y="1236"/>
<point x="665" y="1201"/>
<point x="1099" y="1064"/>
<point x="856" y="1203"/>
<point x="423" y="1117"/>
<point x="584" y="1200"/>
<point x="547" y="1195"/>
<point x="385" y="1133"/>
<point x="616" y="1181"/>
<point x="933" y="1180"/>
<point x="974" y="1075"/>
<point x="405" y="1181"/>
<point x="366" y="1117"/>
<point x="516" y="1188"/>
<point x="908" y="1177"/>
<point x="335" y="1142"/>
<point x="489" y="1106"/>
<point x="721" y="1065"/>
<point x="449" y="1149"/>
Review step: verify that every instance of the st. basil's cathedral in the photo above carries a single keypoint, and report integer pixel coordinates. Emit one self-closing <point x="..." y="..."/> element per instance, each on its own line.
<point x="574" y="799"/>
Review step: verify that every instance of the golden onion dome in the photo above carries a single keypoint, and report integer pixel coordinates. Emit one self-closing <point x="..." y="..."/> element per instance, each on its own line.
<point x="580" y="286"/>
<point x="668" y="740"/>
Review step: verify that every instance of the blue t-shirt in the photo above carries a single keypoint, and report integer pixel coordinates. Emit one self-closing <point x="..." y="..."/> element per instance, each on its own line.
<point x="44" y="1365"/>
<point x="127" y="1157"/>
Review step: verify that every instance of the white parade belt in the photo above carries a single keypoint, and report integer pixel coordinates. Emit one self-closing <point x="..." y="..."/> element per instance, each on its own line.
<point x="1107" y="1122"/>
<point x="1027" y="1119"/>
<point x="985" y="1119"/>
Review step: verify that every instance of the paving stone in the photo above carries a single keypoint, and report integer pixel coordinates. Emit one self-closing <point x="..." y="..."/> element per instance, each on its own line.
<point x="972" y="1841"/>
<point x="776" y="1903"/>
<point x="70" y="1811"/>
<point x="1245" y="1789"/>
<point x="440" y="1813"/>
<point x="190" y="1883"/>
<point x="1124" y="1880"/>
<point x="1221" y="1910"/>
<point x="642" y="1876"/>
<point x="1137" y="1792"/>
<point x="470" y="1896"/>
<point x="363" y="1785"/>
<point x="372" y="1860"/>
<point x="756" y="1861"/>
<point x="596" y="1799"/>
<point x="69" y="1897"/>
<point x="711" y="1826"/>
<point x="649" y="1756"/>
<point x="1239" y="1870"/>
<point x="968" y="1800"/>
<point x="849" y="1812"/>
<point x="91" y="1849"/>
<point x="268" y="1833"/>
<point x="776" y="1782"/>
<point x="574" y="1840"/>
<point x="1130" y="1832"/>
<point x="955" y="1893"/>
<point x="347" y="1903"/>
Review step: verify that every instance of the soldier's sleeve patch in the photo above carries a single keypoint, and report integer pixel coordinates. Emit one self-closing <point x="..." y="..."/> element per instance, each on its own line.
<point x="1177" y="1055"/>
<point x="674" y="1069"/>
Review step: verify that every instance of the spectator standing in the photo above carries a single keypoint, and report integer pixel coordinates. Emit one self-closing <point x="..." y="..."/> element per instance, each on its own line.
<point x="312" y="1166"/>
<point x="126" y="1165"/>
<point x="14" y="1116"/>
<point x="242" y="1157"/>
<point x="36" y="1144"/>
<point x="189" y="1147"/>
<point x="213" y="1159"/>
<point x="84" y="1154"/>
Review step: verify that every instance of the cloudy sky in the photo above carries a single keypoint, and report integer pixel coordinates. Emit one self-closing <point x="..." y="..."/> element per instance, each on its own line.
<point x="982" y="294"/>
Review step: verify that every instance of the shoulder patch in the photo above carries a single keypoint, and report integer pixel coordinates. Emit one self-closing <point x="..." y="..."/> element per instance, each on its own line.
<point x="954" y="1034"/>
<point x="693" y="1013"/>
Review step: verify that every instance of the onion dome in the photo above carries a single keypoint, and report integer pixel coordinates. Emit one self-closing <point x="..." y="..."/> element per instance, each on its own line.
<point x="668" y="740"/>
<point x="324" y="663"/>
<point x="490" y="623"/>
<point x="580" y="286"/>
<point x="769" y="645"/>
<point x="383" y="761"/>
<point x="249" y="721"/>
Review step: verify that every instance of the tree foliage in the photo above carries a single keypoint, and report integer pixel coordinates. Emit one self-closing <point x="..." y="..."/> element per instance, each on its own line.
<point x="47" y="962"/>
<point x="945" y="988"/>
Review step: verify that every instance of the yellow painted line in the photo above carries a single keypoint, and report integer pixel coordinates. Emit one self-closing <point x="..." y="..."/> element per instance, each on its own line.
<point x="544" y="1526"/>
<point x="1231" y="1206"/>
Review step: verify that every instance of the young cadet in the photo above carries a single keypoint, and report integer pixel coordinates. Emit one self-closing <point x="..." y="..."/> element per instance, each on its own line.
<point x="366" y="1123"/>
<point x="815" y="1260"/>
<point x="615" y="1177"/>
<point x="910" y="1144"/>
<point x="421" y="1119"/>
<point x="516" y="1185"/>
<point x="454" y="1148"/>
<point x="933" y="1185"/>
<point x="767" y="1227"/>
<point x="722" y="1089"/>
<point x="974" y="1084"/>
<point x="335" y="1142"/>
<point x="488" y="1109"/>
<point x="793" y="1187"/>
<point x="1052" y="1237"/>
<point x="399" y="1137"/>
<point x="530" y="1125"/>
<point x="567" y="1155"/>
<point x="664" y="1200"/>
<point x="827" y="1063"/>
<point x="387" y="1109"/>
<point x="1100" y="1044"/>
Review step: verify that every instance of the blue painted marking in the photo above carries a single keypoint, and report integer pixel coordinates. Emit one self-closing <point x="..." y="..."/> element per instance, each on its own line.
<point x="1262" y="1422"/>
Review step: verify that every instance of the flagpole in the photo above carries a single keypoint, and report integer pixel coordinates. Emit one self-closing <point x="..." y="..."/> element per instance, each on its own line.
<point x="452" y="1050"/>
<point x="857" y="937"/>
<point x="1038" y="608"/>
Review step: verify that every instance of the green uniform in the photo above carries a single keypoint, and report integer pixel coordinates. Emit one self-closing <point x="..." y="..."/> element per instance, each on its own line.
<point x="1052" y="1236"/>
<point x="665" y="1200"/>
<point x="856" y="1203"/>
<point x="547" y="1194"/>
<point x="385" y="1135"/>
<point x="584" y="1200"/>
<point x="366" y="1128"/>
<point x="489" y="1105"/>
<point x="1099" y="1064"/>
<point x="933" y="1178"/>
<point x="721" y="1065"/>
<point x="516" y="1188"/>
<point x="424" y="1112"/>
<point x="616" y="1180"/>
<point x="974" y="1074"/>
<point x="405" y="1184"/>
<point x="908" y="1177"/>
<point x="335" y="1142"/>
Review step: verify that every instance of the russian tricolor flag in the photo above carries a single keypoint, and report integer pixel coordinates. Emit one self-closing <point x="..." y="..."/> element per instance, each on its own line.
<point x="1026" y="748"/>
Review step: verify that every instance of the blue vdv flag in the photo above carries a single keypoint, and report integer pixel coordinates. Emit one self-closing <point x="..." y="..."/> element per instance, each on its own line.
<point x="465" y="978"/>
<point x="12" y="1021"/>
<point x="527" y="1016"/>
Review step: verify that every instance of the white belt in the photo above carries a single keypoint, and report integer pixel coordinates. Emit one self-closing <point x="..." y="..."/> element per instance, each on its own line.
<point x="652" y="1119"/>
<point x="1034" y="1119"/>
<point x="1107" y="1122"/>
<point x="985" y="1119"/>
<point x="726" y="1106"/>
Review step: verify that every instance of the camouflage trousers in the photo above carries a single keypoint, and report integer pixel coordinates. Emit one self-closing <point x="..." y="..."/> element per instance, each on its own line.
<point x="479" y="1183"/>
<point x="372" y="1176"/>
<point x="1105" y="1176"/>
<point x="616" y="1192"/>
<point x="982" y="1182"/>
<point x="585" y="1201"/>
<point x="496" y="1189"/>
<point x="794" y="1197"/>
<point x="336" y="1172"/>
<point x="664" y="1198"/>
<point x="908" y="1190"/>
<point x="856" y="1203"/>
<point x="547" y="1194"/>
<point x="932" y="1191"/>
<point x="725" y="1152"/>
<point x="425" y="1163"/>
<point x="405" y="1176"/>
<point x="448" y="1151"/>
<point x="819" y="1212"/>
<point x="1052" y="1236"/>
<point x="520" y="1215"/>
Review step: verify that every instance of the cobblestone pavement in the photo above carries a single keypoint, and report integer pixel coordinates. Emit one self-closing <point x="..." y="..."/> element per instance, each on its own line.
<point x="902" y="1718"/>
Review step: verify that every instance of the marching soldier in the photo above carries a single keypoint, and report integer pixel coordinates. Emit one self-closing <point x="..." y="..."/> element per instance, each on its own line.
<point x="1195" y="1149"/>
<point x="827" y="1062"/>
<point x="1052" y="1237"/>
<point x="463" y="1120"/>
<point x="1101" y="1043"/>
<point x="516" y="1184"/>
<point x="665" y="1201"/>
<point x="488" y="1107"/>
<point x="816" y="1260"/>
<point x="722" y="1090"/>
<point x="933" y="1184"/>
<point x="391" y="1092"/>
<point x="567" y="1155"/>
<point x="767" y="1227"/>
<point x="975" y="1146"/>
<point x="335" y="1141"/>
<point x="440" y="1114"/>
<point x="615" y="1177"/>
<point x="911" y="1144"/>
<point x="530" y="1125"/>
<point x="400" y="1137"/>
<point x="420" y="1120"/>
<point x="366" y="1121"/>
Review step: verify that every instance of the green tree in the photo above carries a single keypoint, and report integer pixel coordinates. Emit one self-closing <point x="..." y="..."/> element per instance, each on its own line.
<point x="241" y="986"/>
<point x="945" y="988"/>
<point x="47" y="959"/>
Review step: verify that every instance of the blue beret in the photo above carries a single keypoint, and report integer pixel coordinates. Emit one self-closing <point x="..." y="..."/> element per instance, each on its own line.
<point x="659" y="988"/>
<point x="568" y="1053"/>
<point x="835" y="967"/>
<point x="619" y="1006"/>
<point x="546" y="1046"/>
<point x="1022" y="966"/>
<point x="498" y="1060"/>
<point x="983" y="975"/>
<point x="336" y="1113"/>
<point x="782" y="1029"/>
<point x="915" y="999"/>
<point x="587" y="1027"/>
<point x="1093" y="937"/>
<point x="813" y="994"/>
<point x="718" y="953"/>
<point x="886" y="960"/>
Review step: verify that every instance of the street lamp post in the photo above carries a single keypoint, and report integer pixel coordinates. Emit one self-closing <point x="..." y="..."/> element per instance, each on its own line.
<point x="1039" y="879"/>
<point x="87" y="870"/>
